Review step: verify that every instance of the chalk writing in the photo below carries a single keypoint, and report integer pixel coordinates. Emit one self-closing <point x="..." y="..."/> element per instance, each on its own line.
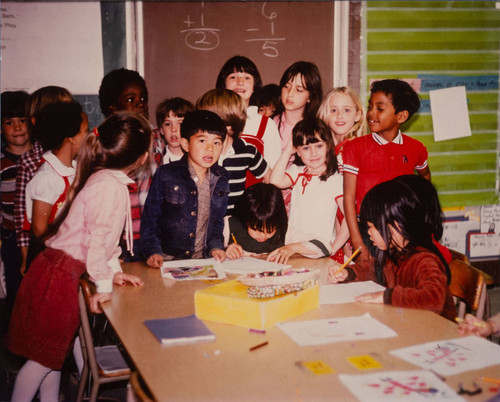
<point x="269" y="43"/>
<point x="199" y="37"/>
<point x="471" y="83"/>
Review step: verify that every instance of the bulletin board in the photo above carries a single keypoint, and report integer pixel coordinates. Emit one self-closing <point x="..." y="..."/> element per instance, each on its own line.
<point x="448" y="46"/>
<point x="186" y="43"/>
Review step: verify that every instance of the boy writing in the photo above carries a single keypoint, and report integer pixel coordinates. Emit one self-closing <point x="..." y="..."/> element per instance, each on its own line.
<point x="15" y="142"/>
<point x="383" y="155"/>
<point x="187" y="201"/>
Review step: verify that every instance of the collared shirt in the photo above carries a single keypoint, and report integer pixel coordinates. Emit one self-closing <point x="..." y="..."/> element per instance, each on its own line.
<point x="26" y="168"/>
<point x="91" y="231"/>
<point x="203" y="211"/>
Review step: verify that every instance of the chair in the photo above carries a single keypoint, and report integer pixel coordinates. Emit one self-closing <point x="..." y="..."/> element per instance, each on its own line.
<point x="468" y="288"/>
<point x="105" y="363"/>
<point x="456" y="255"/>
<point x="140" y="393"/>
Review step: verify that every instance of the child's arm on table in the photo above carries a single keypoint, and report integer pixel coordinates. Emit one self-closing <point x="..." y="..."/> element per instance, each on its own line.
<point x="282" y="254"/>
<point x="278" y="176"/>
<point x="155" y="260"/>
<point x="474" y="326"/>
<point x="218" y="254"/>
<point x="234" y="251"/>
<point x="350" y="181"/>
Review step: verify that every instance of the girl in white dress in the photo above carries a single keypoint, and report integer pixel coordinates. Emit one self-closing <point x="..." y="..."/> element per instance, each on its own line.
<point x="316" y="193"/>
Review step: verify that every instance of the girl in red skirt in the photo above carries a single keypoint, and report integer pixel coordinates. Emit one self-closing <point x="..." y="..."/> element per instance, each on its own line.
<point x="84" y="237"/>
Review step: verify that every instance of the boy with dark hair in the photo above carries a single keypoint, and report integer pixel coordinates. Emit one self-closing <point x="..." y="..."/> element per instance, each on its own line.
<point x="15" y="142"/>
<point x="385" y="154"/>
<point x="184" y="212"/>
<point x="169" y="115"/>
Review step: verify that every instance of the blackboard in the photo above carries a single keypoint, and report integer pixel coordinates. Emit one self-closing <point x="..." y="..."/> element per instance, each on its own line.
<point x="186" y="43"/>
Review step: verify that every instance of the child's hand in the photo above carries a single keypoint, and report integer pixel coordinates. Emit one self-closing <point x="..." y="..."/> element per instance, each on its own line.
<point x="334" y="277"/>
<point x="96" y="300"/>
<point x="282" y="254"/>
<point x="218" y="254"/>
<point x="155" y="260"/>
<point x="121" y="279"/>
<point x="289" y="149"/>
<point x="234" y="251"/>
<point x="474" y="326"/>
<point x="375" y="297"/>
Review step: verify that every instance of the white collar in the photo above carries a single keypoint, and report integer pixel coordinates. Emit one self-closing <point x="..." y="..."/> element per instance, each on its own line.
<point x="382" y="141"/>
<point x="58" y="166"/>
<point x="119" y="175"/>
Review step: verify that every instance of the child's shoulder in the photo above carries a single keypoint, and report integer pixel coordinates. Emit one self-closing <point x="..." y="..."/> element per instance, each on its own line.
<point x="411" y="141"/>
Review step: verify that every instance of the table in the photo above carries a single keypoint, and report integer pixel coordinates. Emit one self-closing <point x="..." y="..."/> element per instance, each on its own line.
<point x="227" y="370"/>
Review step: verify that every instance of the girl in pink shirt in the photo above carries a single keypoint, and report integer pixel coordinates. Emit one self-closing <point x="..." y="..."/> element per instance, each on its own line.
<point x="84" y="238"/>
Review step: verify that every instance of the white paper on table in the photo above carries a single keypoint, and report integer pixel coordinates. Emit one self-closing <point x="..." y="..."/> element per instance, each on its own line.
<point x="247" y="265"/>
<point x="346" y="292"/>
<point x="413" y="386"/>
<point x="330" y="330"/>
<point x="197" y="269"/>
<point x="452" y="356"/>
<point x="450" y="114"/>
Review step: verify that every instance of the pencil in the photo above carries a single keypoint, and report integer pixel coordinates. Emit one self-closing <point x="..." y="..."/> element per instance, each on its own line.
<point x="476" y="324"/>
<point x="258" y="346"/>
<point x="234" y="239"/>
<point x="349" y="260"/>
<point x="486" y="379"/>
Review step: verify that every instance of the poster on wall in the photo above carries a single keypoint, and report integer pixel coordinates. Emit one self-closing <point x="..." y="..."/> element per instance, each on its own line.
<point x="51" y="44"/>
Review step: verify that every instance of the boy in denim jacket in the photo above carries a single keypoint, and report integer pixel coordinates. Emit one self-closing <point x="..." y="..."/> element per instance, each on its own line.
<point x="187" y="201"/>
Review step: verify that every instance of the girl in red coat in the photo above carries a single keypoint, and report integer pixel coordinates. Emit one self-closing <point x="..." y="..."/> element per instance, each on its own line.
<point x="398" y="227"/>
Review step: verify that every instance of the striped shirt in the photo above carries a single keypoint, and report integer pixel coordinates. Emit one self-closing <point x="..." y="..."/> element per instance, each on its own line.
<point x="8" y="172"/>
<point x="241" y="157"/>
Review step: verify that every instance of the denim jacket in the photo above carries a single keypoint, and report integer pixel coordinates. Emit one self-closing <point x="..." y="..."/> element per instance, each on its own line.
<point x="168" y="222"/>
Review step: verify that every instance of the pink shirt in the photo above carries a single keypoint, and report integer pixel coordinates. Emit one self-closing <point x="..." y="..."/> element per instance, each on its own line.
<point x="92" y="229"/>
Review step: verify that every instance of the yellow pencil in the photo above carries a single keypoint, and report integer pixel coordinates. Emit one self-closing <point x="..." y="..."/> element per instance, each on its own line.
<point x="349" y="260"/>
<point x="492" y="380"/>
<point x="476" y="324"/>
<point x="234" y="239"/>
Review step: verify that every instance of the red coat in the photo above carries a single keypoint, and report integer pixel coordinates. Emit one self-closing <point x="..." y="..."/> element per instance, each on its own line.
<point x="418" y="281"/>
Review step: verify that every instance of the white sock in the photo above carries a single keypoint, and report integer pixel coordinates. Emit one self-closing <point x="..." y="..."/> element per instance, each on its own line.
<point x="77" y="354"/>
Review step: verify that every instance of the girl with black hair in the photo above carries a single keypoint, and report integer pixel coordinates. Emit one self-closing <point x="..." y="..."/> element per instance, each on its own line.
<point x="398" y="228"/>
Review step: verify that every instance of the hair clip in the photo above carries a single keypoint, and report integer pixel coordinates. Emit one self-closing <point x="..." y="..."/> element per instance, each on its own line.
<point x="96" y="133"/>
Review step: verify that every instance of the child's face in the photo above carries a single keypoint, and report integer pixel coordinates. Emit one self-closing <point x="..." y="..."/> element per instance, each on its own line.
<point x="294" y="94"/>
<point x="342" y="114"/>
<point x="260" y="236"/>
<point x="15" y="131"/>
<point x="171" y="129"/>
<point x="314" y="156"/>
<point x="376" y="237"/>
<point x="381" y="115"/>
<point x="78" y="139"/>
<point x="267" y="110"/>
<point x="203" y="149"/>
<point x="133" y="99"/>
<point x="241" y="83"/>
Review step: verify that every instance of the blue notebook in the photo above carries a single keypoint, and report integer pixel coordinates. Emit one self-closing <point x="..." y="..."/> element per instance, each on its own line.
<point x="180" y="330"/>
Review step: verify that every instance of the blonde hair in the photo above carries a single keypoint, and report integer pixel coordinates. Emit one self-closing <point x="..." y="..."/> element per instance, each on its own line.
<point x="359" y="128"/>
<point x="228" y="105"/>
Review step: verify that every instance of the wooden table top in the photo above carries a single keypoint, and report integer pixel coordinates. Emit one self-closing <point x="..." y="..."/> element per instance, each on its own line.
<point x="227" y="370"/>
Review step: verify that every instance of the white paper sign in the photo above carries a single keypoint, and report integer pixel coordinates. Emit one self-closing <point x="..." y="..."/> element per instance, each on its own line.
<point x="450" y="114"/>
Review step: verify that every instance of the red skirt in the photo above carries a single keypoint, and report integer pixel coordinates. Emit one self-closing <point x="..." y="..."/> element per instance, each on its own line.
<point x="46" y="315"/>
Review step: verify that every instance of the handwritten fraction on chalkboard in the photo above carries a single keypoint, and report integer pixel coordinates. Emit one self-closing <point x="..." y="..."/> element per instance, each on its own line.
<point x="198" y="36"/>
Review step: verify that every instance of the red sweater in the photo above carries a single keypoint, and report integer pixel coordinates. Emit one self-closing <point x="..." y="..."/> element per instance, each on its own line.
<point x="418" y="281"/>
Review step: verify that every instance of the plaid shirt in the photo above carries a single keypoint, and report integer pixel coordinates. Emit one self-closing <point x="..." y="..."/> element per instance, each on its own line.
<point x="26" y="168"/>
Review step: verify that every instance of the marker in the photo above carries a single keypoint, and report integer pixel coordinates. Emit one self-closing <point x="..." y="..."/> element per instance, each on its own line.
<point x="234" y="239"/>
<point x="349" y="260"/>
<point x="258" y="346"/>
<point x="258" y="331"/>
<point x="476" y="324"/>
<point x="492" y="380"/>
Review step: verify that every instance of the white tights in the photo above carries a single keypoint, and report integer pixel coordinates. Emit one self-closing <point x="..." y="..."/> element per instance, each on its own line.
<point x="34" y="376"/>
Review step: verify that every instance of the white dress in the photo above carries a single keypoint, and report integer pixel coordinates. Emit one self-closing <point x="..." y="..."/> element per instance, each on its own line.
<point x="313" y="208"/>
